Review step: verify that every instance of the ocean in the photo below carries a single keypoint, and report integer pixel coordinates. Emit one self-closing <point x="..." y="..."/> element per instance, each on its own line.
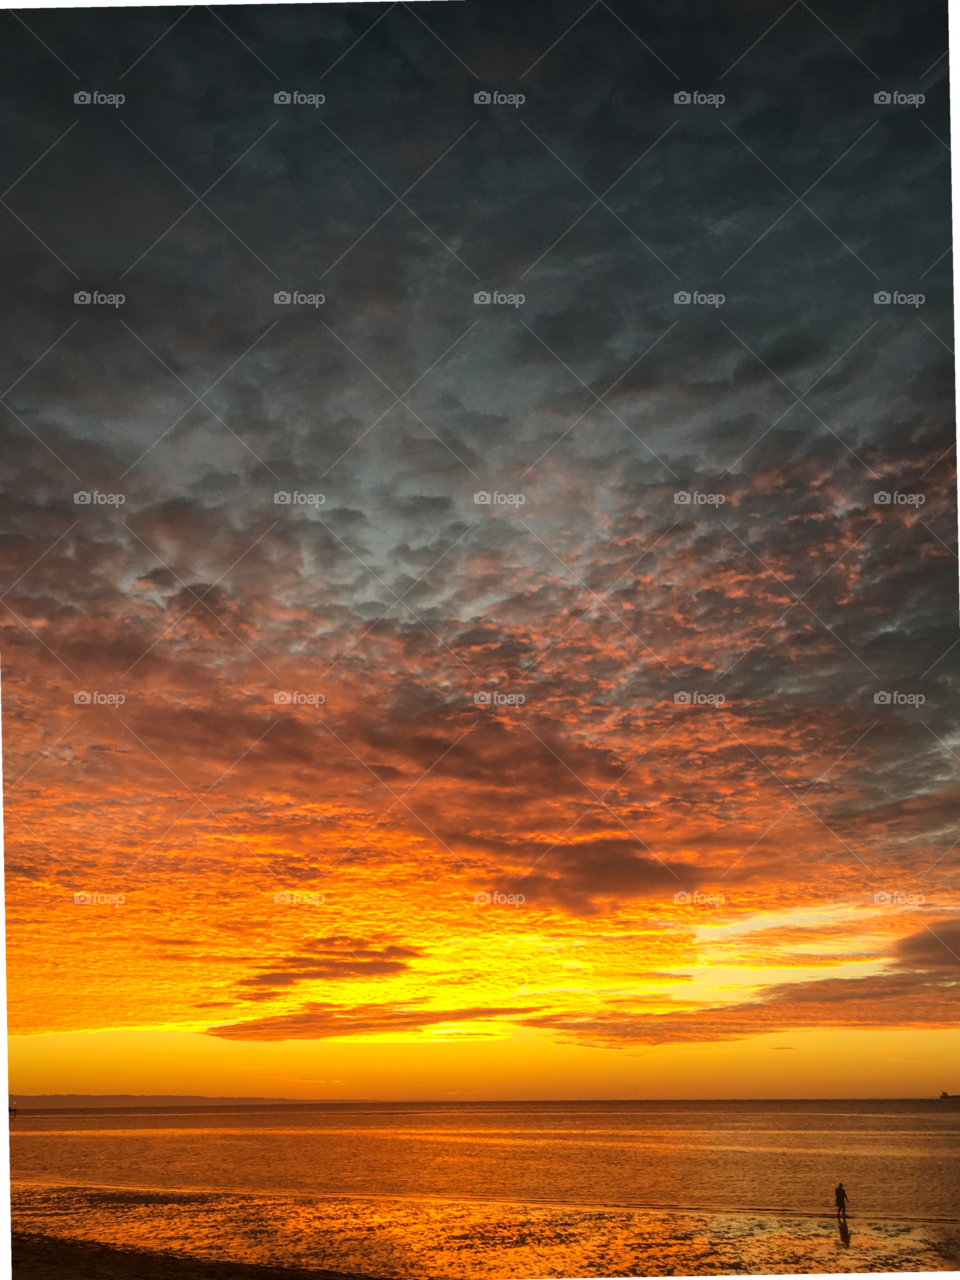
<point x="494" y="1190"/>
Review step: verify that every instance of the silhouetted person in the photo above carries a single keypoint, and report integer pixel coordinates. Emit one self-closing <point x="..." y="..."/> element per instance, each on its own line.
<point x="841" y="1198"/>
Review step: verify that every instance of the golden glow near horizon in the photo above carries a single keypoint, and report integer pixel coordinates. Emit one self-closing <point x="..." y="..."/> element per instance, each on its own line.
<point x="524" y="1064"/>
<point x="211" y="978"/>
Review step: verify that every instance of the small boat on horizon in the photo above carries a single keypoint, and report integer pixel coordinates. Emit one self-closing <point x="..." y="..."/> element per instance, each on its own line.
<point x="944" y="1094"/>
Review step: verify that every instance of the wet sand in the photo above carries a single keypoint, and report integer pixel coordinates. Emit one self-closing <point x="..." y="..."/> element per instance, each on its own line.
<point x="454" y="1242"/>
<point x="38" y="1257"/>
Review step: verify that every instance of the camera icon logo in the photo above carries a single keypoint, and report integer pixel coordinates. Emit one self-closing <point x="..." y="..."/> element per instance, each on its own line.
<point x="882" y="298"/>
<point x="681" y="498"/>
<point x="282" y="499"/>
<point x="681" y="896"/>
<point x="682" y="699"/>
<point x="481" y="298"/>
<point x="482" y="499"/>
<point x="82" y="298"/>
<point x="82" y="498"/>
<point x="281" y="298"/>
<point x="481" y="897"/>
<point x="281" y="698"/>
<point x="681" y="298"/>
<point x="81" y="899"/>
<point x="482" y="98"/>
<point x="682" y="99"/>
<point x="82" y="97"/>
<point x="882" y="99"/>
<point x="282" y="99"/>
<point x="283" y="896"/>
<point x="882" y="499"/>
<point x="482" y="699"/>
<point x="882" y="896"/>
<point x="82" y="699"/>
<point x="882" y="699"/>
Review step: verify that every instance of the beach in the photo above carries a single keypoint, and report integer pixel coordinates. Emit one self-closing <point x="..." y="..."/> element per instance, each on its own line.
<point x="246" y="1236"/>
<point x="48" y="1258"/>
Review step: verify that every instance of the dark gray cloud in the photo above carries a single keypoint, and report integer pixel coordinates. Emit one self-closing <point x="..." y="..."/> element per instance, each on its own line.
<point x="319" y="1021"/>
<point x="328" y="959"/>
<point x="937" y="946"/>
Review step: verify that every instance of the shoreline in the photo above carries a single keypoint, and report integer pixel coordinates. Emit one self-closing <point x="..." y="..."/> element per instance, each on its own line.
<point x="42" y="1257"/>
<point x="863" y="1217"/>
<point x="527" y="1248"/>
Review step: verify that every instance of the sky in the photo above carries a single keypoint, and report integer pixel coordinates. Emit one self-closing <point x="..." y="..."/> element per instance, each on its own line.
<point x="638" y="779"/>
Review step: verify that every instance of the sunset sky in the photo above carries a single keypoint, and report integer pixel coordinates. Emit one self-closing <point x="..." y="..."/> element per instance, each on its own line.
<point x="751" y="895"/>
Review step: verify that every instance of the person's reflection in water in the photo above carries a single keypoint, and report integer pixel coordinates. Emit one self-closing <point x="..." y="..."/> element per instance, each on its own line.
<point x="844" y="1232"/>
